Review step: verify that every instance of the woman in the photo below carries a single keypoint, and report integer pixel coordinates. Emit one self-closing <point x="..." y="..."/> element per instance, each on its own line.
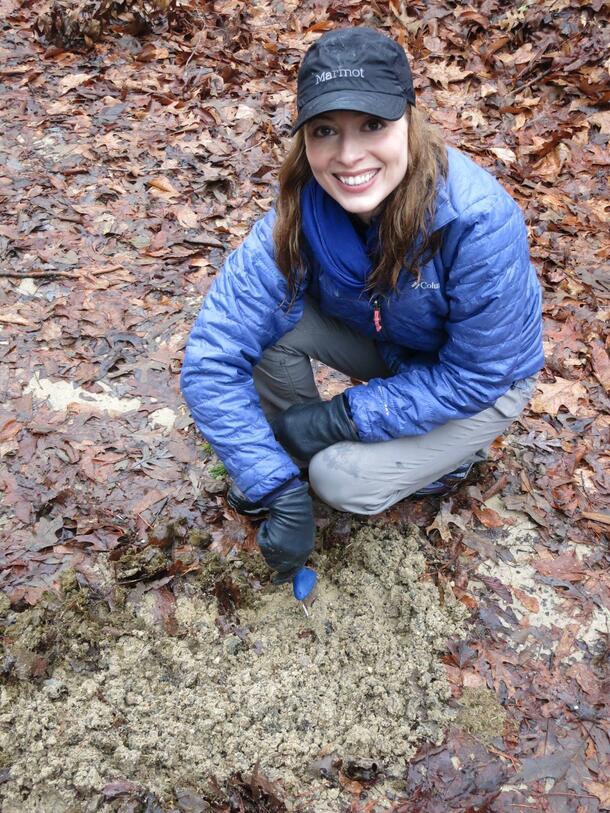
<point x="389" y="257"/>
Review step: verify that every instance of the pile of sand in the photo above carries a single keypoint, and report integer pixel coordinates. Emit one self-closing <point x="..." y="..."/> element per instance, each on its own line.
<point x="361" y="677"/>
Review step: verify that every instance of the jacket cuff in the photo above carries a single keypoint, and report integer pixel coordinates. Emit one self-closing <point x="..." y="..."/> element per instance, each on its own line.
<point x="277" y="492"/>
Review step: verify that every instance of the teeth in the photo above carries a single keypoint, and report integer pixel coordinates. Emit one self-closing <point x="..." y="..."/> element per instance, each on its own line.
<point x="357" y="180"/>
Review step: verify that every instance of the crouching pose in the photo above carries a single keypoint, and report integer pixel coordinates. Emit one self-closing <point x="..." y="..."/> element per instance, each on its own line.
<point x="390" y="257"/>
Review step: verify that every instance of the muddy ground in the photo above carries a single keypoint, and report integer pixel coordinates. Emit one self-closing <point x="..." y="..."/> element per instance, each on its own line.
<point x="96" y="691"/>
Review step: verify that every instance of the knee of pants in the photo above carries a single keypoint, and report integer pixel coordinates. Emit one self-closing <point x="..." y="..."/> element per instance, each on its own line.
<point x="275" y="358"/>
<point x="338" y="488"/>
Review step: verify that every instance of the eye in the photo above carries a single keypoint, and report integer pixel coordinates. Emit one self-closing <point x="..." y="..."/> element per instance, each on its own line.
<point x="375" y="125"/>
<point x="321" y="131"/>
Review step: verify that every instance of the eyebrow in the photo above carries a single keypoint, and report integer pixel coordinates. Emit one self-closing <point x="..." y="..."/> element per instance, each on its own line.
<point x="324" y="117"/>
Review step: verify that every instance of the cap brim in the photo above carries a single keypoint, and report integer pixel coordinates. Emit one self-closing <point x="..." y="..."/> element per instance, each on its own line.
<point x="384" y="105"/>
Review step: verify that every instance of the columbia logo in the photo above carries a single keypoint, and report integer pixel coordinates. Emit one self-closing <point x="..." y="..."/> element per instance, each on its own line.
<point x="421" y="283"/>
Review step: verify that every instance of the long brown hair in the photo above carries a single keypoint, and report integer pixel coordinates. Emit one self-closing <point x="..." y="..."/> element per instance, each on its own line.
<point x="404" y="237"/>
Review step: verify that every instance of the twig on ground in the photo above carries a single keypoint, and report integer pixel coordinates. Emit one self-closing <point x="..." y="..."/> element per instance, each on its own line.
<point x="535" y="79"/>
<point x="37" y="274"/>
<point x="516" y="763"/>
<point x="594" y="516"/>
<point x="496" y="488"/>
<point x="548" y="41"/>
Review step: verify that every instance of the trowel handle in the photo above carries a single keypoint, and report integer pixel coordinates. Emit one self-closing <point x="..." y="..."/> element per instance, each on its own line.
<point x="303" y="583"/>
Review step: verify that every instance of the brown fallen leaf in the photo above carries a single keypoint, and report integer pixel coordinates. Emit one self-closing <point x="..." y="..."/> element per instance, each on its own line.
<point x="151" y="52"/>
<point x="14" y="70"/>
<point x="602" y="119"/>
<point x="529" y="602"/>
<point x="73" y="81"/>
<point x="587" y="680"/>
<point x="567" y="566"/>
<point x="490" y="518"/>
<point x="561" y="392"/>
<point x="504" y="154"/>
<point x="59" y="107"/>
<point x="163" y="185"/>
<point x="443" y="519"/>
<point x="553" y="766"/>
<point x="443" y="74"/>
<point x="565" y="646"/>
<point x="15" y="319"/>
<point x="190" y="802"/>
<point x="186" y="216"/>
<point x="521" y="56"/>
<point x="473" y="680"/>
<point x="500" y="663"/>
<point x="9" y="428"/>
<point x="164" y="609"/>
<point x="121" y="787"/>
<point x="149" y="499"/>
<point x="601" y="364"/>
<point x="599" y="789"/>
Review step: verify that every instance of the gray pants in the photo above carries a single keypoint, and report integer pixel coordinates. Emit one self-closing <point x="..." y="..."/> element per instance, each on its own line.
<point x="366" y="478"/>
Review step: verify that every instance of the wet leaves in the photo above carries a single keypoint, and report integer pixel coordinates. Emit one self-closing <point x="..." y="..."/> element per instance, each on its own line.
<point x="129" y="172"/>
<point x="561" y="393"/>
<point x="75" y="619"/>
<point x="247" y="794"/>
<point x="601" y="790"/>
<point x="122" y="787"/>
<point x="554" y="766"/>
<point x="228" y="596"/>
<point x="129" y="797"/>
<point x="135" y="565"/>
<point x="189" y="802"/>
<point x="365" y="772"/>
<point x="567" y="566"/>
<point x="477" y="783"/>
<point x="81" y="23"/>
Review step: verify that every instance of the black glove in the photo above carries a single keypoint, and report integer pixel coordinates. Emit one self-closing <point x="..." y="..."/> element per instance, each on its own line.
<point x="240" y="503"/>
<point x="305" y="429"/>
<point x="286" y="537"/>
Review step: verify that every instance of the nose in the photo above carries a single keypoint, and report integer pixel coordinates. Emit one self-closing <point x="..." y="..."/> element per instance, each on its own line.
<point x="350" y="150"/>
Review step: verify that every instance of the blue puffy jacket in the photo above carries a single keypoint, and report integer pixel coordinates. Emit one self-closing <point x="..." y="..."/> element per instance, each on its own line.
<point x="456" y="341"/>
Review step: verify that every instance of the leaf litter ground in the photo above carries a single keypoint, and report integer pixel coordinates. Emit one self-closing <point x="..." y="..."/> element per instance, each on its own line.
<point x="126" y="174"/>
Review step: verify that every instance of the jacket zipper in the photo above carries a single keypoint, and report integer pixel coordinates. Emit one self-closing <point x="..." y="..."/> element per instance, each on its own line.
<point x="376" y="302"/>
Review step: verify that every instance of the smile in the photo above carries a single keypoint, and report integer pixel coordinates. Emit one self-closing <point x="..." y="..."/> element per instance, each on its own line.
<point x="357" y="182"/>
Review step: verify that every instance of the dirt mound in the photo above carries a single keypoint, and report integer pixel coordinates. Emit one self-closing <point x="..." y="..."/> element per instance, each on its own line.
<point x="359" y="679"/>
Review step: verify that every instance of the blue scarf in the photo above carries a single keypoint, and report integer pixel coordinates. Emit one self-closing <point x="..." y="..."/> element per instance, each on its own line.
<point x="333" y="239"/>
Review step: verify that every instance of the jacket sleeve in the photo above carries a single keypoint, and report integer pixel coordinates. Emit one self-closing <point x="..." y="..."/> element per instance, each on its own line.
<point x="244" y="312"/>
<point x="488" y="296"/>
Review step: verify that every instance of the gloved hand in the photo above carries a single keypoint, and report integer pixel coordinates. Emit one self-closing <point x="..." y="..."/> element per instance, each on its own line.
<point x="286" y="537"/>
<point x="305" y="429"/>
<point x="240" y="503"/>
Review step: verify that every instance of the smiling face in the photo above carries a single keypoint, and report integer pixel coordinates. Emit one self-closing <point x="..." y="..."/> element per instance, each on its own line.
<point x="357" y="158"/>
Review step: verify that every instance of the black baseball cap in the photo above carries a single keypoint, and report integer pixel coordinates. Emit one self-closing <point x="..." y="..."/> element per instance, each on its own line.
<point x="354" y="69"/>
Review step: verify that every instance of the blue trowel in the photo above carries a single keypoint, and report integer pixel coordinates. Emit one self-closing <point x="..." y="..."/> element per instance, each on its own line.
<point x="304" y="587"/>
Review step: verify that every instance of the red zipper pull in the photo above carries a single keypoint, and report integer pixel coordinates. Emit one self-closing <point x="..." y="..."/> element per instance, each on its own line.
<point x="377" y="315"/>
